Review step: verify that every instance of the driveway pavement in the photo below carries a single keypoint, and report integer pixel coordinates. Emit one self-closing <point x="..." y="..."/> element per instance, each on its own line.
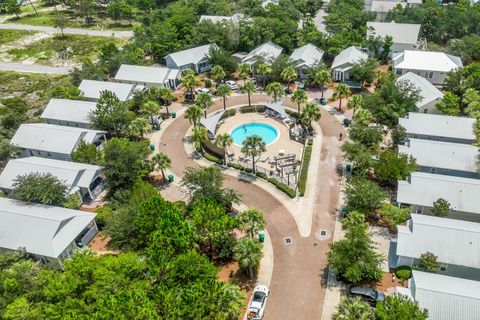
<point x="85" y="32"/>
<point x="33" y="68"/>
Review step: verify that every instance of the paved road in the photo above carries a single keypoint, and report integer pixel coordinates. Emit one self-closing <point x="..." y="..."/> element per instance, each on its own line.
<point x="297" y="286"/>
<point x="33" y="68"/>
<point x="86" y="32"/>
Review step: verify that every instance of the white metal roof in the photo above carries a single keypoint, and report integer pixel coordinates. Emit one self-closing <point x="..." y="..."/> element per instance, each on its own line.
<point x="222" y="19"/>
<point x="39" y="229"/>
<point x="446" y="298"/>
<point x="92" y="89"/>
<point x="143" y="74"/>
<point x="439" y="125"/>
<point x="190" y="56"/>
<point x="440" y="154"/>
<point x="400" y="32"/>
<point x="385" y="6"/>
<point x="307" y="55"/>
<point x="351" y="55"/>
<point x="426" y="188"/>
<point x="426" y="60"/>
<point x="428" y="91"/>
<point x="73" y="174"/>
<point x="52" y="138"/>
<point x="269" y="51"/>
<point x="454" y="242"/>
<point x="68" y="110"/>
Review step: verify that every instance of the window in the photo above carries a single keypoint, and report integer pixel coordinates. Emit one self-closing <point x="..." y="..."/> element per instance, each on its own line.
<point x="433" y="170"/>
<point x="419" y="210"/>
<point x="425" y="110"/>
<point x="443" y="267"/>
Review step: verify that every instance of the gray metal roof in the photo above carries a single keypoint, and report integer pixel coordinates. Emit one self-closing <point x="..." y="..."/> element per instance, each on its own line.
<point x="425" y="188"/>
<point x="190" y="56"/>
<point x="92" y="89"/>
<point x="426" y="60"/>
<point x="39" y="229"/>
<point x="307" y="55"/>
<point x="446" y="298"/>
<point x="439" y="125"/>
<point x="210" y="123"/>
<point x="68" y="110"/>
<point x="52" y="138"/>
<point x="439" y="154"/>
<point x="143" y="74"/>
<point x="268" y="51"/>
<point x="71" y="173"/>
<point x="428" y="91"/>
<point x="406" y="33"/>
<point x="454" y="242"/>
<point x="351" y="55"/>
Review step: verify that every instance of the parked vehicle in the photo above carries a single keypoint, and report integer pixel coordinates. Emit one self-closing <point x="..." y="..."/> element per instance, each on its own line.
<point x="369" y="294"/>
<point x="258" y="301"/>
<point x="202" y="90"/>
<point x="232" y="84"/>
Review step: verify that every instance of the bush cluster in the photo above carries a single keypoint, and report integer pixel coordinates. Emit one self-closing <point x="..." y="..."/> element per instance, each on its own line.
<point x="236" y="166"/>
<point x="248" y="109"/>
<point x="302" y="183"/>
<point x="211" y="157"/>
<point x="283" y="187"/>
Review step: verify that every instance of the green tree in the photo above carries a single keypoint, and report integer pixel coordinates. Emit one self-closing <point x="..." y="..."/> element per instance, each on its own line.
<point x="400" y="307"/>
<point x="12" y="7"/>
<point x="199" y="133"/>
<point x="60" y="21"/>
<point x="165" y="96"/>
<point x="393" y="215"/>
<point x="393" y="166"/>
<point x="471" y="99"/>
<point x="367" y="135"/>
<point x="353" y="309"/>
<point x="218" y="56"/>
<point x="86" y="9"/>
<point x="299" y="97"/>
<point x="193" y="114"/>
<point x="355" y="103"/>
<point x="161" y="162"/>
<point x="251" y="221"/>
<point x="264" y="70"/>
<point x="190" y="80"/>
<point x="43" y="188"/>
<point x="342" y="91"/>
<point x="275" y="89"/>
<point x="204" y="101"/>
<point x="149" y="109"/>
<point x="428" y="262"/>
<point x="289" y="75"/>
<point x="218" y="74"/>
<point x="224" y="91"/>
<point x="450" y="104"/>
<point x="364" y="71"/>
<point x="248" y="88"/>
<point x="244" y="71"/>
<point x="138" y="127"/>
<point x="253" y="146"/>
<point x="111" y="114"/>
<point x="87" y="153"/>
<point x="311" y="112"/>
<point x="354" y="258"/>
<point x="363" y="195"/>
<point x="224" y="141"/>
<point x="320" y="77"/>
<point x="441" y="208"/>
<point x="359" y="156"/>
<point x="248" y="253"/>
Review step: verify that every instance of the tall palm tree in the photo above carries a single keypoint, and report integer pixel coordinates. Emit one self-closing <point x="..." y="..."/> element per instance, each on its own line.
<point x="244" y="70"/>
<point x="199" y="133"/>
<point x="299" y="97"/>
<point x="224" y="141"/>
<point x="166" y="95"/>
<point x="161" y="162"/>
<point x="139" y="126"/>
<point x="310" y="113"/>
<point x="353" y="309"/>
<point x="252" y="222"/>
<point x="248" y="253"/>
<point x="224" y="91"/>
<point x="248" y="88"/>
<point x="204" y="101"/>
<point x="341" y="91"/>
<point x="355" y="103"/>
<point x="289" y="74"/>
<point x="218" y="74"/>
<point x="275" y="89"/>
<point x="253" y="146"/>
<point x="150" y="109"/>
<point x="320" y="77"/>
<point x="193" y="114"/>
<point x="190" y="80"/>
<point x="264" y="70"/>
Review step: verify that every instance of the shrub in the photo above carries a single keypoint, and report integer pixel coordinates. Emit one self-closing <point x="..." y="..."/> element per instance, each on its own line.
<point x="211" y="157"/>
<point x="283" y="187"/>
<point x="392" y="215"/>
<point x="248" y="170"/>
<point x="429" y="262"/>
<point x="302" y="183"/>
<point x="212" y="149"/>
<point x="310" y="142"/>
<point x="228" y="113"/>
<point x="103" y="214"/>
<point x="262" y="175"/>
<point x="254" y="108"/>
<point x="208" y="83"/>
<point x="403" y="273"/>
<point x="236" y="166"/>
<point x="292" y="113"/>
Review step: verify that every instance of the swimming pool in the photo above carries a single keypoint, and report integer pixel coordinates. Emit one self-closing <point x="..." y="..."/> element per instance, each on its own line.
<point x="268" y="132"/>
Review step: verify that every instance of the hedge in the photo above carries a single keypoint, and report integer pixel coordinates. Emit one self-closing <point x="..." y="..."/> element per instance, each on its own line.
<point x="228" y="113"/>
<point x="212" y="158"/>
<point x="292" y="113"/>
<point x="236" y="166"/>
<point x="262" y="175"/>
<point x="283" y="187"/>
<point x="248" y="170"/>
<point x="302" y="183"/>
<point x="212" y="149"/>
<point x="254" y="108"/>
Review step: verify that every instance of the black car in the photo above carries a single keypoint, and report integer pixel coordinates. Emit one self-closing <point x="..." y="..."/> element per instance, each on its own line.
<point x="369" y="294"/>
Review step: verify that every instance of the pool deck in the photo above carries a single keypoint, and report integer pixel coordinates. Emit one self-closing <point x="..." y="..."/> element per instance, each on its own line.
<point x="283" y="141"/>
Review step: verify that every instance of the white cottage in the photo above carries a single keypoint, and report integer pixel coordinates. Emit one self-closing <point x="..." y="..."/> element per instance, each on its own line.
<point x="194" y="58"/>
<point x="343" y="63"/>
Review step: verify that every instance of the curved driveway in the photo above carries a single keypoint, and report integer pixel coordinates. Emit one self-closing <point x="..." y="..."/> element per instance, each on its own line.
<point x="297" y="286"/>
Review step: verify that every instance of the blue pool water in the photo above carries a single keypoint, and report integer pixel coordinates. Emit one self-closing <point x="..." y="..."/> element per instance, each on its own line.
<point x="268" y="132"/>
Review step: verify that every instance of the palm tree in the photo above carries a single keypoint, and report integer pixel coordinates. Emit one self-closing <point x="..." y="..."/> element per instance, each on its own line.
<point x="248" y="252"/>
<point x="310" y="113"/>
<point x="252" y="222"/>
<point x="224" y="91"/>
<point x="244" y="70"/>
<point x="189" y="80"/>
<point x="353" y="309"/>
<point x="264" y="70"/>
<point x="204" y="101"/>
<point x="224" y="141"/>
<point x="289" y="74"/>
<point x="161" y="162"/>
<point x="275" y="89"/>
<point x="232" y="301"/>
<point x="253" y="146"/>
<point x="199" y="133"/>
<point x="150" y="109"/>
<point x="139" y="126"/>
<point x="166" y="95"/>
<point x="355" y="103"/>
<point x="299" y="97"/>
<point x="218" y="74"/>
<point x="193" y="114"/>
<point x="320" y="77"/>
<point x="340" y="92"/>
<point x="248" y="88"/>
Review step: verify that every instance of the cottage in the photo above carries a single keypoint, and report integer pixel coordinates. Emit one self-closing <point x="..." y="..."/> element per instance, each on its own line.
<point x="91" y="89"/>
<point x="86" y="180"/>
<point x="343" y="63"/>
<point x="267" y="52"/>
<point x="194" y="58"/>
<point x="50" y="234"/>
<point x="52" y="141"/>
<point x="149" y="76"/>
<point x="404" y="35"/>
<point x="235" y="19"/>
<point x="306" y="58"/>
<point x="71" y="113"/>
<point x="433" y="66"/>
<point x="429" y="94"/>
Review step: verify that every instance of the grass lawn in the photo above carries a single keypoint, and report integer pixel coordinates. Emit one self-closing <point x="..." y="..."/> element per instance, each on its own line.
<point x="7" y="36"/>
<point x="46" y="51"/>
